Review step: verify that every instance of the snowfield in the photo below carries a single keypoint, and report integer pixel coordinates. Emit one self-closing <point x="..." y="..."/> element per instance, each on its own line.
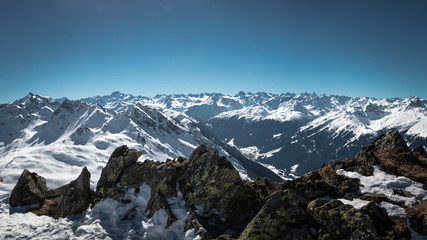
<point x="104" y="221"/>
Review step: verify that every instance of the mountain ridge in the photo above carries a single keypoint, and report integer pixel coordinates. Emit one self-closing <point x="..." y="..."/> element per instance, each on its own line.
<point x="289" y="134"/>
<point x="203" y="197"/>
<point x="294" y="127"/>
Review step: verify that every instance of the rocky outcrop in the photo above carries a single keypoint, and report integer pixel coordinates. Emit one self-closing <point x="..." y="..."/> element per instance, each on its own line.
<point x="282" y="217"/>
<point x="219" y="200"/>
<point x="339" y="221"/>
<point x="76" y="196"/>
<point x="72" y="198"/>
<point x="30" y="189"/>
<point x="221" y="205"/>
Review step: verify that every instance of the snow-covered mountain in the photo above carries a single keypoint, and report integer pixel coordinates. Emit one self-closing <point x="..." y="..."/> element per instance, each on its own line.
<point x="58" y="138"/>
<point x="290" y="133"/>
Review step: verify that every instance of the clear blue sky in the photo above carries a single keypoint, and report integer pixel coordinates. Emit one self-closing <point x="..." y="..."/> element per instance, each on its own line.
<point x="81" y="48"/>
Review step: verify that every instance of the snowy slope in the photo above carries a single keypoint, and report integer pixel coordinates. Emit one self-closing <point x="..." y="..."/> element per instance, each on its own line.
<point x="288" y="129"/>
<point x="57" y="140"/>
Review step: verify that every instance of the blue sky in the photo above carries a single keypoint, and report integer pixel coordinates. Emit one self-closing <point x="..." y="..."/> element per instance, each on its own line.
<point x="80" y="48"/>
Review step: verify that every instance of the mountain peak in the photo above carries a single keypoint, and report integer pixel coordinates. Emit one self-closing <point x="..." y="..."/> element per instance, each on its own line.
<point x="390" y="140"/>
<point x="116" y="93"/>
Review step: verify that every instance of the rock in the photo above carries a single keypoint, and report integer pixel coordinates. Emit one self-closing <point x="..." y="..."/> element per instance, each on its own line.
<point x="373" y="197"/>
<point x="218" y="198"/>
<point x="418" y="217"/>
<point x="264" y="186"/>
<point x="391" y="140"/>
<point x="30" y="189"/>
<point x="379" y="217"/>
<point x="419" y="151"/>
<point x="119" y="160"/>
<point x="211" y="181"/>
<point x="76" y="197"/>
<point x="282" y="217"/>
<point x="341" y="221"/>
<point x="72" y="198"/>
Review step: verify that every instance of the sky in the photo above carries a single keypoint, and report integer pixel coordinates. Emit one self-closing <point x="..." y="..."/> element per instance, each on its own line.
<point x="82" y="48"/>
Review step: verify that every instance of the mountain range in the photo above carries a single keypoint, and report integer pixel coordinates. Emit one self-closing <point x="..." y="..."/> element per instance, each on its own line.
<point x="262" y="134"/>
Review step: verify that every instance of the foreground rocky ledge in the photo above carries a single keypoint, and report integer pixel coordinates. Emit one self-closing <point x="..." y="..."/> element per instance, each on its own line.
<point x="223" y="206"/>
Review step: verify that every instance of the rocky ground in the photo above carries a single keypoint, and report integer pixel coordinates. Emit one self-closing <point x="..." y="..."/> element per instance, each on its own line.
<point x="378" y="194"/>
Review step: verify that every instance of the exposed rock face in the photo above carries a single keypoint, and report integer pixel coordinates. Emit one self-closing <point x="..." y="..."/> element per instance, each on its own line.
<point x="282" y="217"/>
<point x="76" y="197"/>
<point x="219" y="200"/>
<point x="72" y="198"/>
<point x="341" y="221"/>
<point x="30" y="189"/>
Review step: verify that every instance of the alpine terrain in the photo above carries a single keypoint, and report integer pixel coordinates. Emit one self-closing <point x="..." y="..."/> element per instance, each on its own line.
<point x="381" y="193"/>
<point x="262" y="134"/>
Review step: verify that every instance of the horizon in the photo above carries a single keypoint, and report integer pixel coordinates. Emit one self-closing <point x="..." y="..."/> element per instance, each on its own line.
<point x="207" y="93"/>
<point x="79" y="49"/>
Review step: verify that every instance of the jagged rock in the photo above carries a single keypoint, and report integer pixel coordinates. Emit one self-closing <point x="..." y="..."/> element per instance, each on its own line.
<point x="119" y="160"/>
<point x="209" y="180"/>
<point x="30" y="189"/>
<point x="391" y="140"/>
<point x="312" y="186"/>
<point x="282" y="217"/>
<point x="264" y="186"/>
<point x="378" y="216"/>
<point x="212" y="188"/>
<point x="72" y="198"/>
<point x="76" y="197"/>
<point x="419" y="150"/>
<point x="341" y="221"/>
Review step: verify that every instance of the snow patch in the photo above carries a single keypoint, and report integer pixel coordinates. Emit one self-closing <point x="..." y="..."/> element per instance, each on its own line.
<point x="384" y="183"/>
<point x="106" y="220"/>
<point x="356" y="203"/>
<point x="392" y="209"/>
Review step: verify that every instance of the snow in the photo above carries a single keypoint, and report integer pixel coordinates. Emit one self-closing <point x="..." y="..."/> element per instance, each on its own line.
<point x="294" y="168"/>
<point x="384" y="183"/>
<point x="356" y="203"/>
<point x="253" y="153"/>
<point x="392" y="209"/>
<point x="104" y="221"/>
<point x="277" y="135"/>
<point x="76" y="134"/>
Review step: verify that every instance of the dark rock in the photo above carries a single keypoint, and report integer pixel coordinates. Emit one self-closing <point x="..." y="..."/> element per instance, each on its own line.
<point x="419" y="151"/>
<point x="418" y="217"/>
<point x="30" y="189"/>
<point x="72" y="198"/>
<point x="341" y="221"/>
<point x="282" y="217"/>
<point x="391" y="140"/>
<point x="199" y="151"/>
<point x="77" y="196"/>
<point x="403" y="193"/>
<point x="264" y="186"/>
<point x="379" y="217"/>
<point x="119" y="160"/>
<point x="211" y="180"/>
<point x="376" y="198"/>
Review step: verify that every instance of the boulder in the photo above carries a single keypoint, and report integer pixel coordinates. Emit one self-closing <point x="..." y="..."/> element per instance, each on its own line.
<point x="30" y="189"/>
<point x="282" y="217"/>
<point x="76" y="197"/>
<point x="119" y="160"/>
<point x="341" y="221"/>
<point x="72" y="198"/>
<point x="211" y="184"/>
